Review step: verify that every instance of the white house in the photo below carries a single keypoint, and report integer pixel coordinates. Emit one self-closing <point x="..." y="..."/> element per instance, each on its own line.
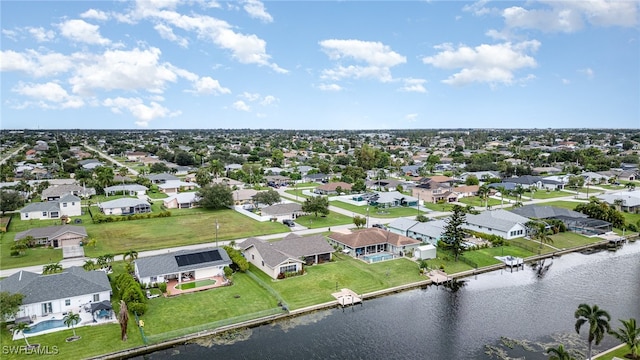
<point x="498" y="222"/>
<point x="68" y="205"/>
<point x="124" y="206"/>
<point x="185" y="200"/>
<point x="175" y="186"/>
<point x="69" y="290"/>
<point x="191" y="264"/>
<point x="127" y="189"/>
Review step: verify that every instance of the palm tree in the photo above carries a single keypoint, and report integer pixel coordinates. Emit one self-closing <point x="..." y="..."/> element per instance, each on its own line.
<point x="72" y="319"/>
<point x="539" y="231"/>
<point x="130" y="255"/>
<point x="483" y="193"/>
<point x="559" y="353"/>
<point x="52" y="268"/>
<point x="630" y="335"/>
<point x="21" y="327"/>
<point x="598" y="320"/>
<point x="502" y="190"/>
<point x="216" y="168"/>
<point x="89" y="265"/>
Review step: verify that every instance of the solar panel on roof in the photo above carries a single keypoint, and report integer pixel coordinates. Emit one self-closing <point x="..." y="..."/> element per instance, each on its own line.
<point x="198" y="258"/>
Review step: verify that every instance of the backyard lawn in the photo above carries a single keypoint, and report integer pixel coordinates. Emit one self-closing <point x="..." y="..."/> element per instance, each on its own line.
<point x="478" y="202"/>
<point x="313" y="222"/>
<point x="486" y="257"/>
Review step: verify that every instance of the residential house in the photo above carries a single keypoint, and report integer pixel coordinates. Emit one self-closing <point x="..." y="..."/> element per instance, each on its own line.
<point x="628" y="201"/>
<point x="319" y="177"/>
<point x="573" y="220"/>
<point x="135" y="155"/>
<point x="67" y="205"/>
<point x="125" y="206"/>
<point x="185" y="200"/>
<point x="411" y="170"/>
<point x="243" y="196"/>
<point x="287" y="255"/>
<point x="497" y="222"/>
<point x="591" y="178"/>
<point x="46" y="295"/>
<point x="55" y="192"/>
<point x="283" y="211"/>
<point x="427" y="232"/>
<point x="393" y="199"/>
<point x="126" y="189"/>
<point x="388" y="184"/>
<point x="277" y="180"/>
<point x="431" y="191"/>
<point x="526" y="181"/>
<point x="175" y="186"/>
<point x="228" y="182"/>
<point x="55" y="236"/>
<point x="162" y="178"/>
<point x="332" y="188"/>
<point x="181" y="265"/>
<point x="372" y="241"/>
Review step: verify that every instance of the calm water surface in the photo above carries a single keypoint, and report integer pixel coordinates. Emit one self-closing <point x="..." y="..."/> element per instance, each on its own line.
<point x="508" y="315"/>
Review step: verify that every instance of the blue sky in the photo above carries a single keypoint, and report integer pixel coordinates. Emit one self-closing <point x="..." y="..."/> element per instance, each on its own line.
<point x="173" y="64"/>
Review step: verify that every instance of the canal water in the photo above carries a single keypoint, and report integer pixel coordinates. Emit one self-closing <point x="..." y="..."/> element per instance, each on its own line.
<point x="497" y="315"/>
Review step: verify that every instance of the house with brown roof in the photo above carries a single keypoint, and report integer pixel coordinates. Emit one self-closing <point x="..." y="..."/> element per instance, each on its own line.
<point x="371" y="241"/>
<point x="431" y="191"/>
<point x="287" y="255"/>
<point x="331" y="188"/>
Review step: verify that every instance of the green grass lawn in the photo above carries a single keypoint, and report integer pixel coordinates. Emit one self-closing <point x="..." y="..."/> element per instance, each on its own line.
<point x="486" y="257"/>
<point x="568" y="240"/>
<point x="184" y="227"/>
<point x="478" y="202"/>
<point x="619" y="353"/>
<point x="562" y="204"/>
<point x="438" y="207"/>
<point x="375" y="212"/>
<point x="531" y="246"/>
<point x="446" y="261"/>
<point x="320" y="281"/>
<point x="333" y="219"/>
<point x="547" y="194"/>
<point x="298" y="193"/>
<point x="157" y="195"/>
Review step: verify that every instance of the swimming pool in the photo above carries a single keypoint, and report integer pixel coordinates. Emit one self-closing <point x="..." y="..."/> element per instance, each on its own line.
<point x="45" y="325"/>
<point x="377" y="257"/>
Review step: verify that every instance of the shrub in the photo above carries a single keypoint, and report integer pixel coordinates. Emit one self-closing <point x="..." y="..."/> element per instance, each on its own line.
<point x="162" y="287"/>
<point x="227" y="272"/>
<point x="281" y="276"/>
<point x="137" y="307"/>
<point x="14" y="253"/>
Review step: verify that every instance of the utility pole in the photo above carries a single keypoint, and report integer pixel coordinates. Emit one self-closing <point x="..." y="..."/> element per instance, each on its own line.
<point x="217" y="227"/>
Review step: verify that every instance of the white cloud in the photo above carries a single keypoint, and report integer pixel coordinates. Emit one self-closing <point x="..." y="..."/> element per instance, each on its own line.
<point x="493" y="64"/>
<point x="411" y="117"/>
<point x="207" y="86"/>
<point x="256" y="10"/>
<point x="570" y="16"/>
<point x="588" y="72"/>
<point x="330" y="87"/>
<point x="35" y="63"/>
<point x="246" y="49"/>
<point x="378" y="59"/>
<point x="95" y="15"/>
<point x="50" y="92"/>
<point x="255" y="97"/>
<point x="268" y="100"/>
<point x="167" y="33"/>
<point x="82" y="31"/>
<point x="413" y="85"/>
<point x="123" y="70"/>
<point x="11" y="34"/>
<point x="478" y="8"/>
<point x="566" y="81"/>
<point x="137" y="108"/>
<point x="41" y="35"/>
<point x="241" y="106"/>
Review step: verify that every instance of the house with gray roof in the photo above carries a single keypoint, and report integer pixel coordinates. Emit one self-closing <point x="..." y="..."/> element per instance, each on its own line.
<point x="371" y="241"/>
<point x="67" y="205"/>
<point x="545" y="212"/>
<point x="427" y="232"/>
<point x="393" y="199"/>
<point x="175" y="186"/>
<point x="54" y="294"/>
<point x="124" y="206"/>
<point x="497" y="222"/>
<point x="126" y="189"/>
<point x="55" y="236"/>
<point x="185" y="200"/>
<point x="55" y="192"/>
<point x="162" y="178"/>
<point x="287" y="255"/>
<point x="184" y="264"/>
<point x="628" y="200"/>
<point x="283" y="210"/>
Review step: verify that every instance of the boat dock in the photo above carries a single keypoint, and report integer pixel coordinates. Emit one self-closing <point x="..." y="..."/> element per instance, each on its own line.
<point x="438" y="277"/>
<point x="347" y="297"/>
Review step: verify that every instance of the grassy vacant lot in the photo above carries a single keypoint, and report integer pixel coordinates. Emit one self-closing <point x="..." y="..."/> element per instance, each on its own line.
<point x="478" y="202"/>
<point x="548" y="194"/>
<point x="375" y="212"/>
<point x="297" y="192"/>
<point x="333" y="219"/>
<point x="320" y="281"/>
<point x="486" y="257"/>
<point x="438" y="207"/>
<point x="184" y="227"/>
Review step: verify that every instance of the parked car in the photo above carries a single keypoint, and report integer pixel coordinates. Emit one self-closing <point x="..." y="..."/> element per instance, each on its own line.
<point x="379" y="226"/>
<point x="289" y="222"/>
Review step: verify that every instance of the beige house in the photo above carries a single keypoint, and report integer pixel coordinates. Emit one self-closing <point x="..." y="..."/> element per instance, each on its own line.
<point x="55" y="236"/>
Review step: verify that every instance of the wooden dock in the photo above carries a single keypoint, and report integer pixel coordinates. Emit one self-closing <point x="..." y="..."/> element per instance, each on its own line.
<point x="438" y="277"/>
<point x="347" y="297"/>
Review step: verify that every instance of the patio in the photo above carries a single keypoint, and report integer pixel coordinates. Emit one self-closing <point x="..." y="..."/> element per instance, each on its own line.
<point x="172" y="284"/>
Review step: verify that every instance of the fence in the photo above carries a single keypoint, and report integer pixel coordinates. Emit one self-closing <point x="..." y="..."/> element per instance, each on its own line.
<point x="140" y="325"/>
<point x="269" y="289"/>
<point x="526" y="247"/>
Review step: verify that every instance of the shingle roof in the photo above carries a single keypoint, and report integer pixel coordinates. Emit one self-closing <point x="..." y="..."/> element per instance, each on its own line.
<point x="282" y="209"/>
<point x="123" y="202"/>
<point x="291" y="247"/>
<point x="433" y="229"/>
<point x="130" y="187"/>
<point x="41" y="206"/>
<point x="371" y="236"/>
<point x="402" y="224"/>
<point x="74" y="281"/>
<point x="545" y="212"/>
<point x="497" y="219"/>
<point x="50" y="232"/>
<point x="167" y="264"/>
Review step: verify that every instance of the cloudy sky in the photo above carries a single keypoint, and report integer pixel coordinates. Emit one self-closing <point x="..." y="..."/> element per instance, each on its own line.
<point x="319" y="64"/>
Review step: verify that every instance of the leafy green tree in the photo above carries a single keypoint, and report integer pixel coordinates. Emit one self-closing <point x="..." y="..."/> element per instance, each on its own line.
<point x="539" y="230"/>
<point x="123" y="171"/>
<point x="9" y="304"/>
<point x="359" y="221"/>
<point x="598" y="321"/>
<point x="104" y="176"/>
<point x="268" y="197"/>
<point x="184" y="158"/>
<point x="203" y="177"/>
<point x="130" y="256"/>
<point x="472" y="180"/>
<point x="159" y="167"/>
<point x="216" y="196"/>
<point x="630" y="335"/>
<point x="316" y="205"/>
<point x="453" y="236"/>
<point x="72" y="319"/>
<point x="216" y="167"/>
<point x="277" y="157"/>
<point x="89" y="265"/>
<point x="559" y="353"/>
<point x="10" y="200"/>
<point x="358" y="186"/>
